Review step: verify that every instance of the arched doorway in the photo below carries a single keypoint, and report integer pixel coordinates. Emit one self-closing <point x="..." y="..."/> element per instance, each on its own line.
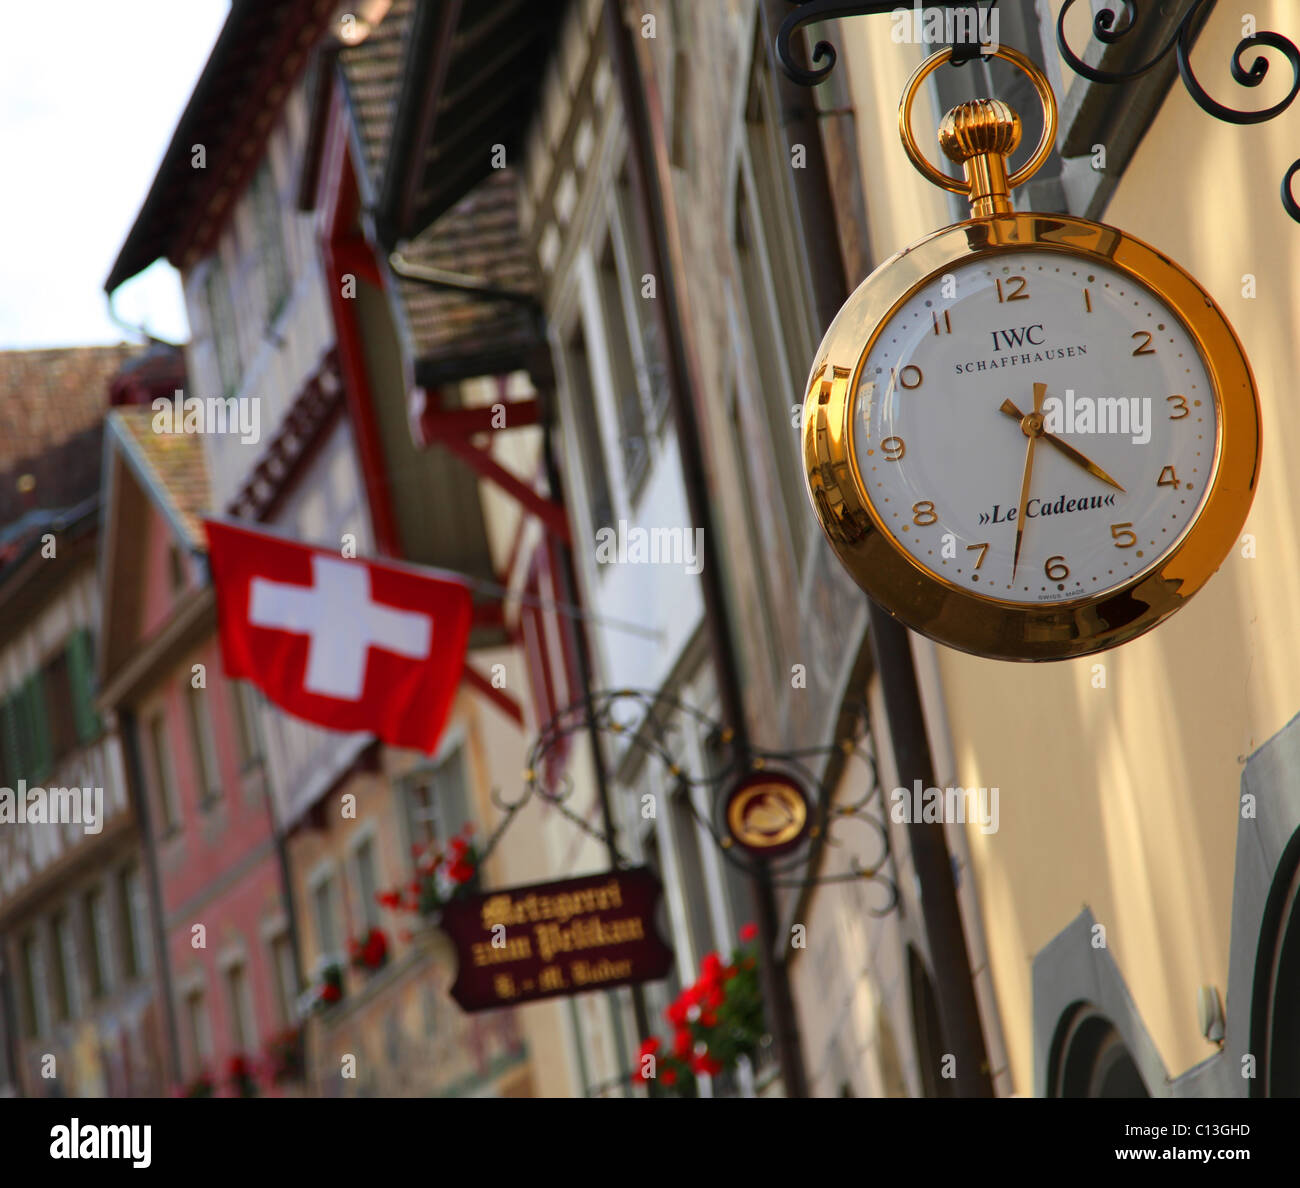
<point x="1090" y="1058"/>
<point x="1275" y="1006"/>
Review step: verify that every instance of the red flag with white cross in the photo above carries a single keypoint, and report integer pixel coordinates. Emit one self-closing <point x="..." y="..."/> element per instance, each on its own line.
<point x="348" y="644"/>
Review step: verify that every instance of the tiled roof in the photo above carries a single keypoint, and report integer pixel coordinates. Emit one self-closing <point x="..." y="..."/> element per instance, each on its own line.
<point x="260" y="53"/>
<point x="478" y="237"/>
<point x="175" y="465"/>
<point x="373" y="70"/>
<point x="52" y="406"/>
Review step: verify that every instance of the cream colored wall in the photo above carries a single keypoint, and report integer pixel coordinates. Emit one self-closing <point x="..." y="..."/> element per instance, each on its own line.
<point x="1126" y="798"/>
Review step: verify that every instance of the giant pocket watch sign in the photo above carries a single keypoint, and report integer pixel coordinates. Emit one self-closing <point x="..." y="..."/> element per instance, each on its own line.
<point x="1028" y="436"/>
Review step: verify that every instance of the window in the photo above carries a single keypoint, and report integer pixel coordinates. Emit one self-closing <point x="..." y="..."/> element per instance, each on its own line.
<point x="135" y="922"/>
<point x="647" y="342"/>
<point x="98" y="942"/>
<point x="627" y="391"/>
<point x="65" y="963"/>
<point x="205" y="747"/>
<point x="437" y="801"/>
<point x="199" y="1030"/>
<point x="270" y="241"/>
<point x="243" y="1025"/>
<point x="367" y="884"/>
<point x="169" y="810"/>
<point x="285" y="976"/>
<point x="221" y="325"/>
<point x="246" y="735"/>
<point x="777" y="369"/>
<point x="587" y="428"/>
<point x="327" y="925"/>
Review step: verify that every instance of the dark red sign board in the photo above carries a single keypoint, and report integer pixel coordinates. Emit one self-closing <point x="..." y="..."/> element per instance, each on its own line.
<point x="550" y="940"/>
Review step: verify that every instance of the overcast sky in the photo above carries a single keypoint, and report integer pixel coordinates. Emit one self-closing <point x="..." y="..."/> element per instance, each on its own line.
<point x="90" y="93"/>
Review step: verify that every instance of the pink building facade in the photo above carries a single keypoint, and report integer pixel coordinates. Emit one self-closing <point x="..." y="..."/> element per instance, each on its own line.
<point x="195" y="763"/>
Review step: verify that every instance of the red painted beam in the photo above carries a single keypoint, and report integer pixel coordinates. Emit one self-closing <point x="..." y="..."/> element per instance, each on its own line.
<point x="353" y="254"/>
<point x="436" y="424"/>
<point x="485" y="466"/>
<point x="499" y="697"/>
<point x="338" y="214"/>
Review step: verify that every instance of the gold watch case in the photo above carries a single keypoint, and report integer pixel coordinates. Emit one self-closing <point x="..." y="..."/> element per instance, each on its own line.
<point x="978" y="623"/>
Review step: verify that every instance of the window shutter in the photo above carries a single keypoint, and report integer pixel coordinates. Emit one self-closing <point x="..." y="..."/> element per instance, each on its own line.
<point x="38" y="715"/>
<point x="81" y="673"/>
<point x="11" y="735"/>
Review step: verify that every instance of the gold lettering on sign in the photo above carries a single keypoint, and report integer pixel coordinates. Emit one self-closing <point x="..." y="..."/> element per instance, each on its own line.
<point x="589" y="933"/>
<point x="516" y="948"/>
<point x="533" y="908"/>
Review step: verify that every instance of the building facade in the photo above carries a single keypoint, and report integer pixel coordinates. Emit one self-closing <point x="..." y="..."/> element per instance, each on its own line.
<point x="81" y="1012"/>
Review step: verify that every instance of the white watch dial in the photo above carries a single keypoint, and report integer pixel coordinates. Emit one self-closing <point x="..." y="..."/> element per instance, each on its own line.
<point x="1123" y="435"/>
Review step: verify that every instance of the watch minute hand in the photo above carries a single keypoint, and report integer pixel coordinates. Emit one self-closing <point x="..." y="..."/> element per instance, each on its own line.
<point x="1066" y="448"/>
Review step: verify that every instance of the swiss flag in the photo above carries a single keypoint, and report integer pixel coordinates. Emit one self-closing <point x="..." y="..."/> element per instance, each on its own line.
<point x="348" y="644"/>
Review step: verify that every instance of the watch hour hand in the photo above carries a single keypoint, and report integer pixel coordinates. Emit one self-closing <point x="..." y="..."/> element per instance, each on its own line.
<point x="1065" y="447"/>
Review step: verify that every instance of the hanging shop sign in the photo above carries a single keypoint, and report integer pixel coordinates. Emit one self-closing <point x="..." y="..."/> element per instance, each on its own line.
<point x="1028" y="436"/>
<point x="551" y="940"/>
<point x="767" y="814"/>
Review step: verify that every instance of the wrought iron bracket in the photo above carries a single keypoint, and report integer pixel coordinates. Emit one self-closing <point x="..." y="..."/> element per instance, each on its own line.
<point x="1109" y="26"/>
<point x="651" y="721"/>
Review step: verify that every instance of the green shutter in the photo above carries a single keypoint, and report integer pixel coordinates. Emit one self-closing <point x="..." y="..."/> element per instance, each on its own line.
<point x="12" y="739"/>
<point x="81" y="676"/>
<point x="40" y="727"/>
<point x="26" y="739"/>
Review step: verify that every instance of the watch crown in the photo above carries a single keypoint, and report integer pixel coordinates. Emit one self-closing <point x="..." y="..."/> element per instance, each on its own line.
<point x="980" y="126"/>
<point x="980" y="136"/>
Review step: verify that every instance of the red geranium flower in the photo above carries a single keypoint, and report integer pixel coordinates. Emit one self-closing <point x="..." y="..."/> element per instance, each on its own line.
<point x="702" y="1062"/>
<point x="676" y="1014"/>
<point x="649" y="1046"/>
<point x="709" y="1019"/>
<point x="683" y="1043"/>
<point x="748" y="933"/>
<point x="715" y="998"/>
<point x="330" y="992"/>
<point x="669" y="1076"/>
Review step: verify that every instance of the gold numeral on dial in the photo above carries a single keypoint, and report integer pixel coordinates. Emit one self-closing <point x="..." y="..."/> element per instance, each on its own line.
<point x="893" y="447"/>
<point x="1087" y="300"/>
<point x="910" y="377"/>
<point x="1056" y="569"/>
<point x="1180" y="408"/>
<point x="1123" y="534"/>
<point x="1144" y="348"/>
<point x="1020" y="291"/>
<point x="923" y="513"/>
<point x="1168" y="478"/>
<point x="946" y="324"/>
<point x="983" y="548"/>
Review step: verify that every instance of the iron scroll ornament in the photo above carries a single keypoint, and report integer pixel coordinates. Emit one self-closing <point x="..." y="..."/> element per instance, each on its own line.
<point x="652" y="721"/>
<point x="1109" y="27"/>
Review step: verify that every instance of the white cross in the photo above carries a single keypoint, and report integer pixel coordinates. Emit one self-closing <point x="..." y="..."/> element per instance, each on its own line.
<point x="343" y="623"/>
